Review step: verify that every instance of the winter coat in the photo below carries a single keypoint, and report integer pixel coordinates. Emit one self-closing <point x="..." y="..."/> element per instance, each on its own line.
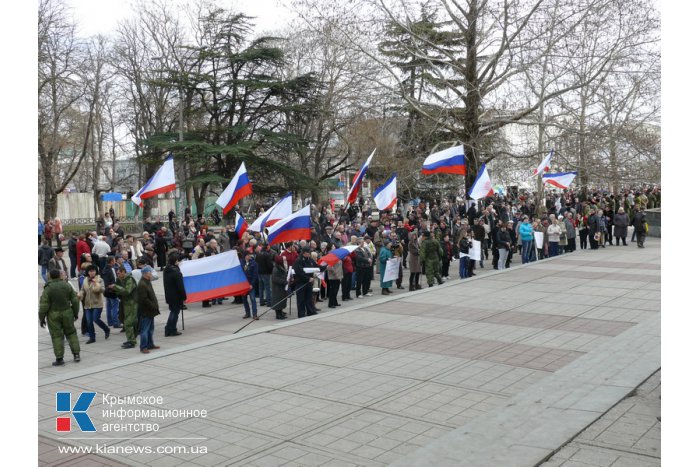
<point x="264" y="260"/>
<point x="250" y="268"/>
<point x="174" y="285"/>
<point x="525" y="230"/>
<point x="146" y="299"/>
<point x="570" y="229"/>
<point x="414" y="261"/>
<point x="621" y="221"/>
<point x="45" y="255"/>
<point x="639" y="222"/>
<point x="92" y="292"/>
<point x="279" y="287"/>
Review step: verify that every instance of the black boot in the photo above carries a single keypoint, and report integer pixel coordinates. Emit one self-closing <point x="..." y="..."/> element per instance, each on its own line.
<point x="58" y="362"/>
<point x="411" y="288"/>
<point x="280" y="315"/>
<point x="76" y="357"/>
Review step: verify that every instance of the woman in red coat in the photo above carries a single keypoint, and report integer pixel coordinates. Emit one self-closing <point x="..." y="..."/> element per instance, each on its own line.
<point x="81" y="247"/>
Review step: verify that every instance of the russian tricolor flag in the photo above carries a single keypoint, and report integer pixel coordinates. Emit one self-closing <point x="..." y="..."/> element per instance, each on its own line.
<point x="544" y="165"/>
<point x="291" y="228"/>
<point x="162" y="181"/>
<point x="482" y="185"/>
<point x="449" y="161"/>
<point x="214" y="277"/>
<point x="560" y="180"/>
<point x="239" y="188"/>
<point x="357" y="180"/>
<point x="385" y="195"/>
<point x="241" y="225"/>
<point x="278" y="211"/>
<point x="336" y="255"/>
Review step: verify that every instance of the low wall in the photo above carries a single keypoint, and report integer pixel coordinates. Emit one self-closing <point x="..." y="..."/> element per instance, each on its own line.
<point x="654" y="220"/>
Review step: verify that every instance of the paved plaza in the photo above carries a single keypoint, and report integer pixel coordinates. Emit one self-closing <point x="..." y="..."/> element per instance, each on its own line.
<point x="555" y="362"/>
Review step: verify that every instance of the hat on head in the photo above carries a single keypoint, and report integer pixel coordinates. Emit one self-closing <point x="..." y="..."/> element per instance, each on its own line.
<point x="560" y="217"/>
<point x="147" y="269"/>
<point x="58" y="249"/>
<point x="306" y="249"/>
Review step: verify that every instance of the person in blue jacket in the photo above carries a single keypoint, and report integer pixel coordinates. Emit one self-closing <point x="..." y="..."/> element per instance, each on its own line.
<point x="527" y="236"/>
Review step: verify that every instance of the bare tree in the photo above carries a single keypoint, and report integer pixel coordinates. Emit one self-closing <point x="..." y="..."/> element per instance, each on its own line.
<point x="63" y="95"/>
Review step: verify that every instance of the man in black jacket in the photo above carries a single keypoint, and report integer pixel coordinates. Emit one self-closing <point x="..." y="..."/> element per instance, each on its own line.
<point x="303" y="283"/>
<point x="593" y="228"/>
<point x="175" y="294"/>
<point x="148" y="309"/>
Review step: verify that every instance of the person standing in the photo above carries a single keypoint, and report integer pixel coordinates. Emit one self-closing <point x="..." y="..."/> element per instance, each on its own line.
<point x="264" y="261"/>
<point x="41" y="230"/>
<point x="503" y="244"/>
<point x="570" y="226"/>
<point x="279" y="286"/>
<point x="621" y="221"/>
<point x="335" y="275"/>
<point x="59" y="306"/>
<point x="45" y="255"/>
<point x="640" y="226"/>
<point x="303" y="283"/>
<point x="148" y="309"/>
<point x="414" y="262"/>
<point x="363" y="270"/>
<point x="594" y="229"/>
<point x="58" y="230"/>
<point x="527" y="237"/>
<point x="346" y="285"/>
<point x="91" y="295"/>
<point x="73" y="253"/>
<point x="175" y="295"/>
<point x="430" y="254"/>
<point x="250" y="267"/>
<point x="57" y="262"/>
<point x="582" y="230"/>
<point x="109" y="276"/>
<point x="125" y="288"/>
<point x="385" y="255"/>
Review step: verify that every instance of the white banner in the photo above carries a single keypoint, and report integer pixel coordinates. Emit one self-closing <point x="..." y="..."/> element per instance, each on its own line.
<point x="392" y="269"/>
<point x="475" y="250"/>
<point x="539" y="239"/>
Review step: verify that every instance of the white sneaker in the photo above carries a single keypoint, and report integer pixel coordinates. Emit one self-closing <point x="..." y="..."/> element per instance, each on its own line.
<point x="360" y="296"/>
<point x="369" y="294"/>
<point x="447" y="278"/>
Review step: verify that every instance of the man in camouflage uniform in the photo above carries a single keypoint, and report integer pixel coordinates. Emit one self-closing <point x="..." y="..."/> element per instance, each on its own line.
<point x="125" y="288"/>
<point x="431" y="254"/>
<point x="60" y="304"/>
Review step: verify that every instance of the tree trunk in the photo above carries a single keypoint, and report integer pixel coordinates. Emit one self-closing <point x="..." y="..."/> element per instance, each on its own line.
<point x="50" y="197"/>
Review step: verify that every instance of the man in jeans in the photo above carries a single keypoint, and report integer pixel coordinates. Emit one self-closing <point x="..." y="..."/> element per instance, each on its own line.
<point x="363" y="270"/>
<point x="264" y="262"/>
<point x="148" y="309"/>
<point x="527" y="236"/>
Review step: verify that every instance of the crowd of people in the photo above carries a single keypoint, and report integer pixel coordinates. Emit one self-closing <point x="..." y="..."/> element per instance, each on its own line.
<point x="116" y="269"/>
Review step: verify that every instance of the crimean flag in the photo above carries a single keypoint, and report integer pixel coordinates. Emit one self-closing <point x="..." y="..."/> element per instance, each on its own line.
<point x="544" y="165"/>
<point x="239" y="188"/>
<point x="162" y="181"/>
<point x="291" y="228"/>
<point x="241" y="225"/>
<point x="482" y="185"/>
<point x="279" y="210"/>
<point x="357" y="179"/>
<point x="336" y="255"/>
<point x="560" y="180"/>
<point x="214" y="276"/>
<point x="448" y="161"/>
<point x="385" y="195"/>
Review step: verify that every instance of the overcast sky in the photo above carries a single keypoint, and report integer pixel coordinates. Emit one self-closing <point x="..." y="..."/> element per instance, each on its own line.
<point x="101" y="16"/>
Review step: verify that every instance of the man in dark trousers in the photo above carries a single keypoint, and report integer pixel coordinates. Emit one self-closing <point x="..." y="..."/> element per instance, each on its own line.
<point x="175" y="294"/>
<point x="303" y="283"/>
<point x="59" y="304"/>
<point x="109" y="276"/>
<point x="148" y="309"/>
<point x="73" y="253"/>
